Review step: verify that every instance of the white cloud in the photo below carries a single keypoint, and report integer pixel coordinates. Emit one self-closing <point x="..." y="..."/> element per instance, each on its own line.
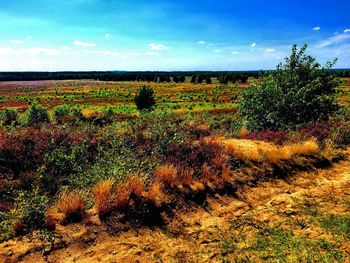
<point x="65" y="48"/>
<point x="29" y="37"/>
<point x="218" y="50"/>
<point x="154" y="46"/>
<point x="30" y="51"/>
<point x="347" y="30"/>
<point x="334" y="40"/>
<point x="253" y="45"/>
<point x="107" y="35"/>
<point x="83" y="44"/>
<point x="16" y="41"/>
<point x="269" y="50"/>
<point x="235" y="52"/>
<point x="150" y="53"/>
<point x="316" y="28"/>
<point x="201" y="42"/>
<point x="108" y="53"/>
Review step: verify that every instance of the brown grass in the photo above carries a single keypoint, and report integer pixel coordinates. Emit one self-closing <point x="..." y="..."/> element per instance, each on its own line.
<point x="243" y="132"/>
<point x="257" y="151"/>
<point x="166" y="175"/>
<point x="103" y="196"/>
<point x="132" y="185"/>
<point x="186" y="176"/>
<point x="155" y="194"/>
<point x="136" y="185"/>
<point x="69" y="207"/>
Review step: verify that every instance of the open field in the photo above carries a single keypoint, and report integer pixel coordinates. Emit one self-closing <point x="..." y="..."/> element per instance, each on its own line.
<point x="94" y="94"/>
<point x="99" y="180"/>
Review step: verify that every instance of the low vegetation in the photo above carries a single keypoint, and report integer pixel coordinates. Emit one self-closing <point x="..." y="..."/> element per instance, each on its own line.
<point x="66" y="157"/>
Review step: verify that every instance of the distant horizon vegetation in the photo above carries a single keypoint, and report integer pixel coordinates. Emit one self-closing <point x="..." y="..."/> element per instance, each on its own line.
<point x="150" y="76"/>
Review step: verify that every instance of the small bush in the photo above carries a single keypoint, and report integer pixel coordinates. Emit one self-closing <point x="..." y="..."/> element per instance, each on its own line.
<point x="145" y="98"/>
<point x="167" y="175"/>
<point x="340" y="135"/>
<point x="69" y="207"/>
<point x="9" y="117"/>
<point x="37" y="115"/>
<point x="103" y="196"/>
<point x="298" y="92"/>
<point x="60" y="112"/>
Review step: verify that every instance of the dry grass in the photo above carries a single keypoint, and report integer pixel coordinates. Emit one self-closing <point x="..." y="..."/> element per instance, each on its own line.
<point x="257" y="151"/>
<point x="186" y="176"/>
<point x="243" y="133"/>
<point x="69" y="207"/>
<point x="155" y="194"/>
<point x="132" y="186"/>
<point x="166" y="175"/>
<point x="136" y="185"/>
<point x="103" y="196"/>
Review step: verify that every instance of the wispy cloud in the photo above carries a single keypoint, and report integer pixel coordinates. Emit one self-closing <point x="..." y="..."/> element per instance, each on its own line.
<point x="108" y="53"/>
<point x="65" y="48"/>
<point x="253" y="45"/>
<point x="235" y="52"/>
<point x="201" y="42"/>
<point x="107" y="35"/>
<point x="83" y="44"/>
<point x="347" y="30"/>
<point x="30" y="51"/>
<point x="16" y="41"/>
<point x="270" y="50"/>
<point x="150" y="53"/>
<point x="154" y="46"/>
<point x="334" y="40"/>
<point x="316" y="28"/>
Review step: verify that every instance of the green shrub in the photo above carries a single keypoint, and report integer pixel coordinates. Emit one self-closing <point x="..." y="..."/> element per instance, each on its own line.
<point x="60" y="112"/>
<point x="144" y="98"/>
<point x="299" y="92"/>
<point x="27" y="214"/>
<point x="36" y="115"/>
<point x="107" y="113"/>
<point x="340" y="135"/>
<point x="9" y="117"/>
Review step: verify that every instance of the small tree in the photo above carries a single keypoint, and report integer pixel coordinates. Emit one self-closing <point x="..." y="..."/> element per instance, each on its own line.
<point x="299" y="92"/>
<point x="36" y="115"/>
<point x="144" y="98"/>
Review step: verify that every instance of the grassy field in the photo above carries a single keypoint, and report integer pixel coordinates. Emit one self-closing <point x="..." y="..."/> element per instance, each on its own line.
<point x="97" y="162"/>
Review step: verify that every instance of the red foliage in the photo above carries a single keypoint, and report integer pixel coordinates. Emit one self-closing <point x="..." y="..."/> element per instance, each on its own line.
<point x="278" y="137"/>
<point x="321" y="131"/>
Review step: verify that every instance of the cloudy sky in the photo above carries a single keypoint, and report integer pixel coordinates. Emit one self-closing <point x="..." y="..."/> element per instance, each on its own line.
<point x="56" y="35"/>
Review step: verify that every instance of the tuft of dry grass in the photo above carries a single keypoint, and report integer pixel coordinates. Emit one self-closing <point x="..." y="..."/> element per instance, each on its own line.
<point x="132" y="186"/>
<point x="136" y="185"/>
<point x="155" y="194"/>
<point x="186" y="176"/>
<point x="166" y="175"/>
<point x="257" y="151"/>
<point x="103" y="196"/>
<point x="243" y="132"/>
<point x="69" y="207"/>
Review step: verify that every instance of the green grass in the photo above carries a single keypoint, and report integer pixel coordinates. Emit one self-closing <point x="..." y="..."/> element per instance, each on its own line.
<point x="276" y="244"/>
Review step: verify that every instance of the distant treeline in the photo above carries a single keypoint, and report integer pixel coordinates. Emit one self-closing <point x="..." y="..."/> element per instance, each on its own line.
<point x="151" y="76"/>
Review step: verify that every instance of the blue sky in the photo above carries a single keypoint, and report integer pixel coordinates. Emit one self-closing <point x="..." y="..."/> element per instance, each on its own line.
<point x="169" y="35"/>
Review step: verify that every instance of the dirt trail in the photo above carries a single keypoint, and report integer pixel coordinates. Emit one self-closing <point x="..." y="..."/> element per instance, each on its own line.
<point x="196" y="233"/>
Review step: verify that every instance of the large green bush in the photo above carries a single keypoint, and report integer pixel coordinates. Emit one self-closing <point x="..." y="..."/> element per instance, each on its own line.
<point x="300" y="91"/>
<point x="144" y="98"/>
<point x="36" y="115"/>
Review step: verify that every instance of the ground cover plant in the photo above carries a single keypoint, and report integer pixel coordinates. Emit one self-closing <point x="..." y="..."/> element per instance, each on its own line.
<point x="71" y="151"/>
